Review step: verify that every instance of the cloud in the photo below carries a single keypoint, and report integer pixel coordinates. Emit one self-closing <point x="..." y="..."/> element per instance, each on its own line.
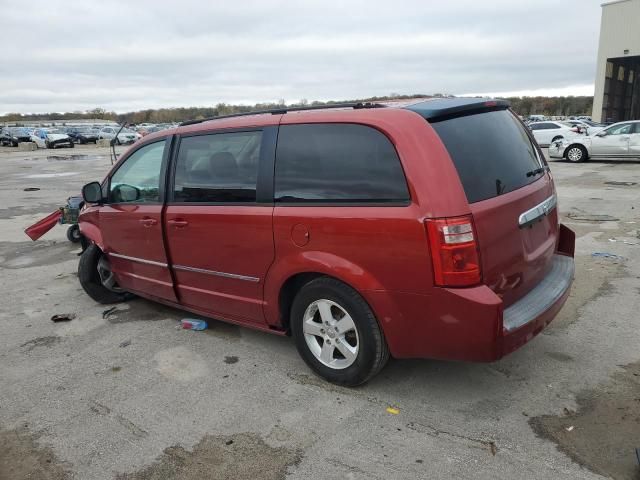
<point x="131" y="55"/>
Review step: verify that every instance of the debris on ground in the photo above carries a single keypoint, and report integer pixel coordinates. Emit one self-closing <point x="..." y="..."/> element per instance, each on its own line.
<point x="30" y="189"/>
<point x="193" y="324"/>
<point x="108" y="312"/>
<point x="126" y="343"/>
<point x="607" y="255"/>
<point x="63" y="317"/>
<point x="393" y="410"/>
<point x="570" y="428"/>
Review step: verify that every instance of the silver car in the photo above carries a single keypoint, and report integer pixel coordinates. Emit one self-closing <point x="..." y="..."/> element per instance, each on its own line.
<point x="620" y="141"/>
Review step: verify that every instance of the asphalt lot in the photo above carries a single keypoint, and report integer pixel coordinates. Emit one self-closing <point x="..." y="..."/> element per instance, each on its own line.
<point x="77" y="400"/>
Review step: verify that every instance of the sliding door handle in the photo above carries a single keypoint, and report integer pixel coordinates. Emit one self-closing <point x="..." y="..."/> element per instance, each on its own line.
<point x="178" y="223"/>
<point x="148" y="221"/>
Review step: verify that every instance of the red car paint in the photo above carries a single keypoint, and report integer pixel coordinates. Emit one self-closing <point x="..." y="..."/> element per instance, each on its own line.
<point x="382" y="252"/>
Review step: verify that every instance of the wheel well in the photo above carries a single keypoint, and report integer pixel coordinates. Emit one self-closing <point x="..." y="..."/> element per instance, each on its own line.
<point x="288" y="292"/>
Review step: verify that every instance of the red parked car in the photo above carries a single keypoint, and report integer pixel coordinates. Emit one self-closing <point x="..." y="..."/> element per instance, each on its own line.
<point x="425" y="231"/>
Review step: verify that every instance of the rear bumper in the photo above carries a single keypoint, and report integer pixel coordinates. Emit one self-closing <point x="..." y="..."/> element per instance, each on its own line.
<point x="471" y="324"/>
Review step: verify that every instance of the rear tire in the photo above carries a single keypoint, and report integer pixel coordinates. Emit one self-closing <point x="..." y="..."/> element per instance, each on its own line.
<point x="576" y="154"/>
<point x="91" y="281"/>
<point x="329" y="317"/>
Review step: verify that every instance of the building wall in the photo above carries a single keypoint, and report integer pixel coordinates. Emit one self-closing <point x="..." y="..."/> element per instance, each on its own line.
<point x="619" y="31"/>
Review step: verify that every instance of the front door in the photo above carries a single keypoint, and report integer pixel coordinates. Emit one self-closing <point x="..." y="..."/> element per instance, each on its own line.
<point x="634" y="141"/>
<point x="131" y="223"/>
<point x="613" y="141"/>
<point x="219" y="224"/>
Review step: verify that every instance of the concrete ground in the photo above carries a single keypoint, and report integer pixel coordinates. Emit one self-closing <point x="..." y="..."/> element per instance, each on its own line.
<point x="128" y="395"/>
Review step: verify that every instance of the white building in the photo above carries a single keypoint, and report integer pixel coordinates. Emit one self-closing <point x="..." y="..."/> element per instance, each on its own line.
<point x="617" y="86"/>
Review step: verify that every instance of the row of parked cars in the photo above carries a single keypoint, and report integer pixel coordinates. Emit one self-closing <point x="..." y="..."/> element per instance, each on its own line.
<point x="52" y="137"/>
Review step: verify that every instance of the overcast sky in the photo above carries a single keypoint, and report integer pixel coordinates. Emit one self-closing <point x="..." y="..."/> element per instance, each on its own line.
<point x="61" y="55"/>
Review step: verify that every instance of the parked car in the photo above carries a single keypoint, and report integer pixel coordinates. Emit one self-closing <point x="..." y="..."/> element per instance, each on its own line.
<point x="82" y="135"/>
<point x="584" y="126"/>
<point x="547" y="132"/>
<point x="125" y="137"/>
<point x="51" y="138"/>
<point x="12" y="136"/>
<point x="619" y="141"/>
<point x="425" y="231"/>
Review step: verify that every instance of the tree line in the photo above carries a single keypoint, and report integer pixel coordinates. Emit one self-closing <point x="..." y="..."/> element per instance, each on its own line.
<point x="524" y="106"/>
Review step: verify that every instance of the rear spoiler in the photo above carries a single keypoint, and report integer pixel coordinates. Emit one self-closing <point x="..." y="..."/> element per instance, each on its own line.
<point x="445" y="108"/>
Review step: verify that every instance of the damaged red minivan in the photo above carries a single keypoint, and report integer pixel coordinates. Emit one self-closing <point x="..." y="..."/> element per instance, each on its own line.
<point x="429" y="230"/>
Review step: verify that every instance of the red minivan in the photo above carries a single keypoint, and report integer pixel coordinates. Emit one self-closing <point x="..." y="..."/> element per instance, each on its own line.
<point x="425" y="231"/>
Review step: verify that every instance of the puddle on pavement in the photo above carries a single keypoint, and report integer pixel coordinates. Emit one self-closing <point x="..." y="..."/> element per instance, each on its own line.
<point x="586" y="217"/>
<point x="243" y="456"/>
<point x="15" y="255"/>
<point x="71" y="158"/>
<point x="22" y="457"/>
<point x="604" y="432"/>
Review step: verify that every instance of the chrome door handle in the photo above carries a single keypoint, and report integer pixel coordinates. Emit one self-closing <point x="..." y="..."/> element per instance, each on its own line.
<point x="148" y="222"/>
<point x="178" y="223"/>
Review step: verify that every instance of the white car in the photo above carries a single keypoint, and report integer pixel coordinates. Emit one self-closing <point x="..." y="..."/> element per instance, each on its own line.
<point x="586" y="126"/>
<point x="547" y="132"/>
<point x="51" y="138"/>
<point x="124" y="137"/>
<point x="620" y="141"/>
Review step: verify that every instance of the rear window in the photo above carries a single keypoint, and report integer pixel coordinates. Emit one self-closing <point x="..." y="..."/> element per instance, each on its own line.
<point x="336" y="163"/>
<point x="491" y="151"/>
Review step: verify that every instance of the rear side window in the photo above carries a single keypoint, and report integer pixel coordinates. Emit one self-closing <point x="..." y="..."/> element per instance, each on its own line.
<point x="335" y="163"/>
<point x="491" y="151"/>
<point x="221" y="167"/>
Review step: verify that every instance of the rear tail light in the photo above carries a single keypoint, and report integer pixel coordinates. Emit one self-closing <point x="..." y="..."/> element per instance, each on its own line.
<point x="454" y="251"/>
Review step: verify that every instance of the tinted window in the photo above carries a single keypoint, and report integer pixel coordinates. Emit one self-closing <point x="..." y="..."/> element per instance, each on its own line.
<point x="337" y="163"/>
<point x="220" y="167"/>
<point x="491" y="151"/>
<point x="138" y="178"/>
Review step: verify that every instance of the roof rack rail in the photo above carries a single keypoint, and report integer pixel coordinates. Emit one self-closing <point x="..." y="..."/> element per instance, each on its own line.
<point x="280" y="111"/>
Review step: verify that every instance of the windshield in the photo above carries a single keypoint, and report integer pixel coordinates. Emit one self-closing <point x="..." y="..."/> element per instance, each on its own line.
<point x="492" y="153"/>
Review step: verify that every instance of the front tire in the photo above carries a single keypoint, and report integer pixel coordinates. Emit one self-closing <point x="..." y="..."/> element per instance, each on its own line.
<point x="96" y="278"/>
<point x="48" y="145"/>
<point x="73" y="233"/>
<point x="576" y="153"/>
<point x="336" y="333"/>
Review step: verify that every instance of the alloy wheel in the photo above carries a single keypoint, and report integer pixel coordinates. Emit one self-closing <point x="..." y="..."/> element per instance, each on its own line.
<point x="331" y="334"/>
<point x="107" y="279"/>
<point x="575" y="154"/>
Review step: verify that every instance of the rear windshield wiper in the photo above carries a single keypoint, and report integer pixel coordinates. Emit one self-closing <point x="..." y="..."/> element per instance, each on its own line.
<point x="537" y="171"/>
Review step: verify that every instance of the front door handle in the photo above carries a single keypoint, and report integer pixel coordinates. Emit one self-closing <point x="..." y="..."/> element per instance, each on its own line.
<point x="148" y="221"/>
<point x="178" y="223"/>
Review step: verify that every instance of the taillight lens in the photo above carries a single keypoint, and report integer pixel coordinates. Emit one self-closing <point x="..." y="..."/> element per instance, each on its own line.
<point x="454" y="251"/>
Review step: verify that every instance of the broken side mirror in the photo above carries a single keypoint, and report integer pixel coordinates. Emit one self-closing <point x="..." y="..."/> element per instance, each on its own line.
<point x="92" y="192"/>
